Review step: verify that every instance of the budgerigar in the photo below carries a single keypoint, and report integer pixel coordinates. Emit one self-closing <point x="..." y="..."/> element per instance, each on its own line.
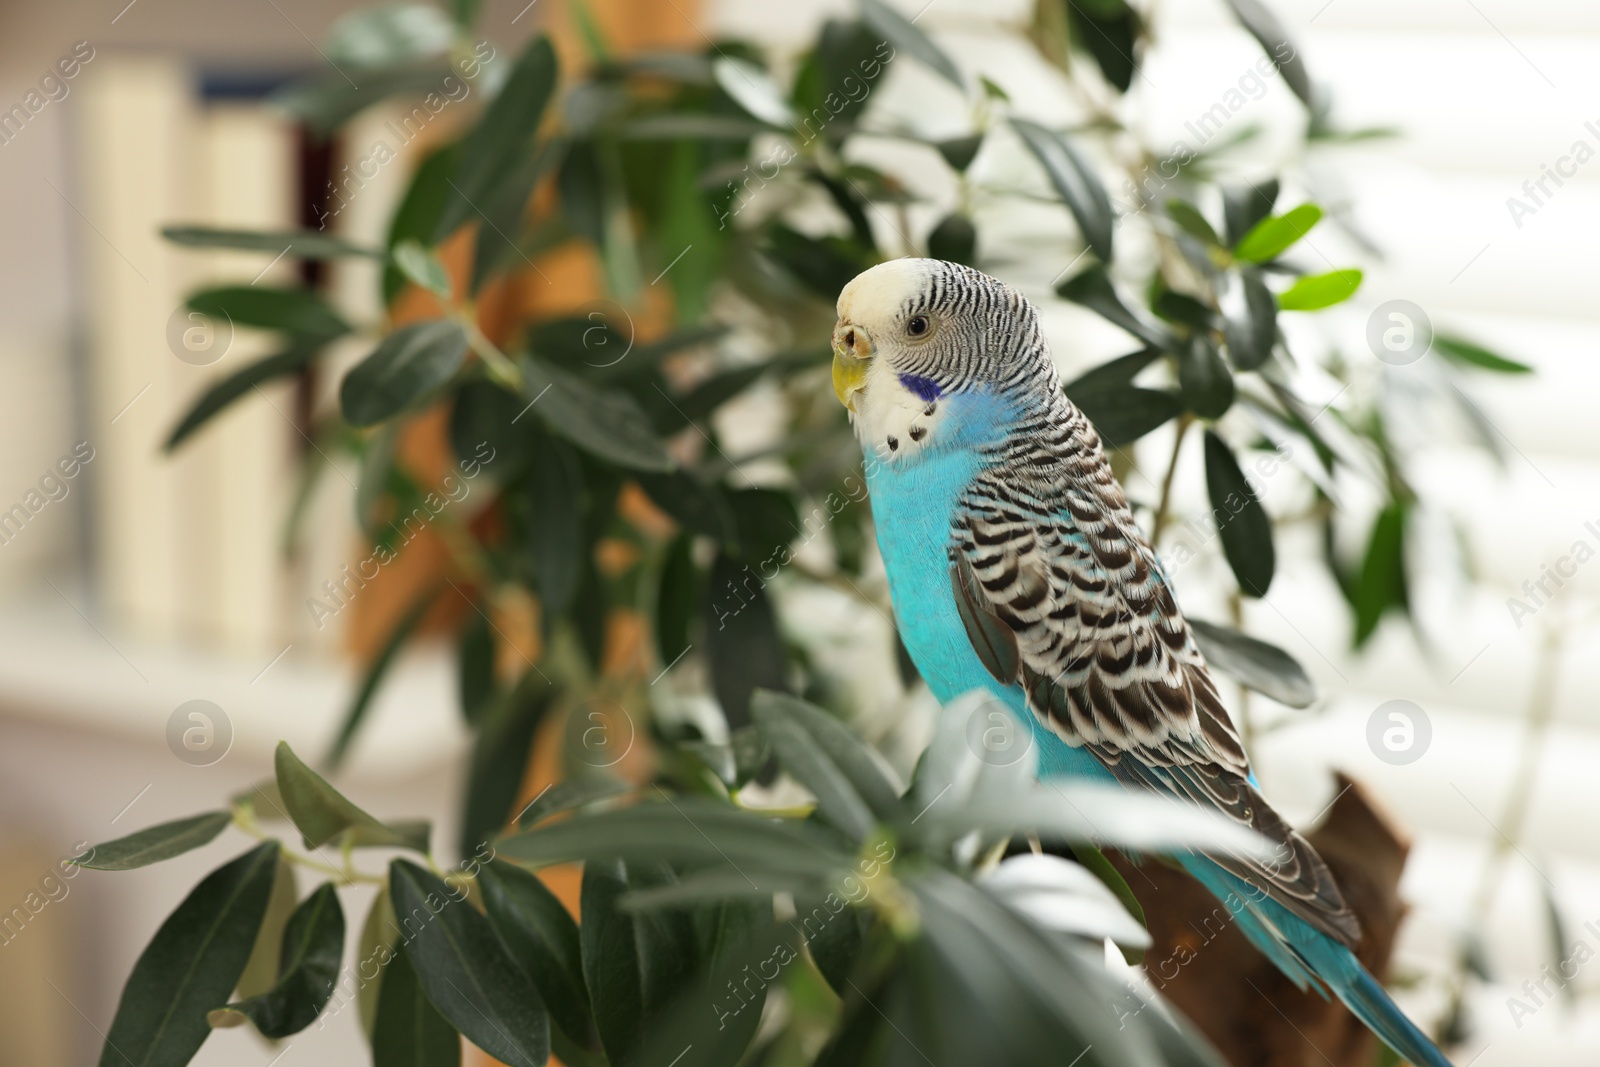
<point x="1015" y="566"/>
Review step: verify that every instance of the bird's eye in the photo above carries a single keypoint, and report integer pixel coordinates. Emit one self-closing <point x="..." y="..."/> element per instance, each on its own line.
<point x="917" y="326"/>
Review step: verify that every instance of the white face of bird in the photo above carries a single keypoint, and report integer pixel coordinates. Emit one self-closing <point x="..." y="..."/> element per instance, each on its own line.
<point x="884" y="326"/>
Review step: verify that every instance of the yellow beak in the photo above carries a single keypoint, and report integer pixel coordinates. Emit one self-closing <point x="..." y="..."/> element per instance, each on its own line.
<point x="852" y="351"/>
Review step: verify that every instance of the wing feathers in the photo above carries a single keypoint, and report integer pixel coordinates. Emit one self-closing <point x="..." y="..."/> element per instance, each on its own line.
<point x="993" y="640"/>
<point x="1060" y="593"/>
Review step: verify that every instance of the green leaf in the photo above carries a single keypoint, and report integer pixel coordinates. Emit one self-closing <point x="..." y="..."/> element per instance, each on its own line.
<point x="326" y="102"/>
<point x="373" y="678"/>
<point x="633" y="963"/>
<point x="1114" y="373"/>
<point x="383" y="36"/>
<point x="1181" y="309"/>
<point x="486" y="414"/>
<point x="407" y="1030"/>
<point x="1075" y="181"/>
<point x="1123" y="414"/>
<point x="555" y="542"/>
<point x="218" y="397"/>
<point x="406" y="366"/>
<point x="688" y="832"/>
<point x="1249" y="320"/>
<point x="1191" y="222"/>
<point x="1317" y="291"/>
<point x="544" y="941"/>
<point x="490" y="152"/>
<point x="1092" y="288"/>
<point x="1382" y="582"/>
<point x="955" y="239"/>
<point x="959" y="152"/>
<point x="321" y="813"/>
<point x="1097" y="864"/>
<point x="765" y="521"/>
<point x="1468" y="354"/>
<point x="734" y="941"/>
<point x="677" y="126"/>
<point x="1203" y="378"/>
<point x="906" y="36"/>
<point x="591" y="340"/>
<point x="191" y="965"/>
<point x="422" y="267"/>
<point x="824" y="265"/>
<point x="500" y="758"/>
<point x="693" y="503"/>
<point x="604" y="422"/>
<point x="675" y="599"/>
<point x="419" y="209"/>
<point x="1003" y="990"/>
<point x="313" y="943"/>
<point x="691" y="242"/>
<point x="261" y="969"/>
<point x="834" y="940"/>
<point x="264" y="800"/>
<point x="475" y="667"/>
<point x="1109" y="31"/>
<point x="466" y="971"/>
<point x="1264" y="26"/>
<point x="743" y="646"/>
<point x="838" y="802"/>
<point x="302" y="244"/>
<point x="156" y="843"/>
<point x="752" y="89"/>
<point x="376" y="950"/>
<point x="1242" y="522"/>
<point x="1274" y="235"/>
<point x="294" y="311"/>
<point x="1561" y="946"/>
<point x="844" y="50"/>
<point x="378" y="480"/>
<point x="1245" y="205"/>
<point x="827" y="737"/>
<point x="1254" y="663"/>
<point x="499" y="242"/>
<point x="569" y="795"/>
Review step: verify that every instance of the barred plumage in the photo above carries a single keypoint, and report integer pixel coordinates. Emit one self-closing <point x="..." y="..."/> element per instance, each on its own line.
<point x="1059" y="590"/>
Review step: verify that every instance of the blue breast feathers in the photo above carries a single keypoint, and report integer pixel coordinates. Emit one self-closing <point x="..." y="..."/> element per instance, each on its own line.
<point x="914" y="500"/>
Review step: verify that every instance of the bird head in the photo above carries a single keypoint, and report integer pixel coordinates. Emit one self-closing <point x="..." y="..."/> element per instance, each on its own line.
<point x="913" y="332"/>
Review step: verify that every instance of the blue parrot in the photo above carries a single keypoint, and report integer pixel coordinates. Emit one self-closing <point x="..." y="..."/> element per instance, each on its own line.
<point x="1015" y="566"/>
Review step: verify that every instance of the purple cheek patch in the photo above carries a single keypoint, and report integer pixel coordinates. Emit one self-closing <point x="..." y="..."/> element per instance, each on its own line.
<point x="925" y="388"/>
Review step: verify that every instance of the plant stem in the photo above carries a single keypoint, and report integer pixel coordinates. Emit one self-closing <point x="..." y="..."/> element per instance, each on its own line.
<point x="347" y="875"/>
<point x="1165" y="503"/>
<point x="1541" y="708"/>
<point x="501" y="368"/>
<point x="1247" y="733"/>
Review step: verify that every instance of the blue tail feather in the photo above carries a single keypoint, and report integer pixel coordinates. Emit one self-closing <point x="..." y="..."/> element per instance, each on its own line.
<point x="1313" y="959"/>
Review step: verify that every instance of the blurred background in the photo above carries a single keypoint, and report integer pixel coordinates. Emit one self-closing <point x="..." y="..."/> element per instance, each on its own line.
<point x="133" y="584"/>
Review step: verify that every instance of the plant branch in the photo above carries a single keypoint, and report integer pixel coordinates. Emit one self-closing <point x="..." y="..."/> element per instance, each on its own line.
<point x="1165" y="504"/>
